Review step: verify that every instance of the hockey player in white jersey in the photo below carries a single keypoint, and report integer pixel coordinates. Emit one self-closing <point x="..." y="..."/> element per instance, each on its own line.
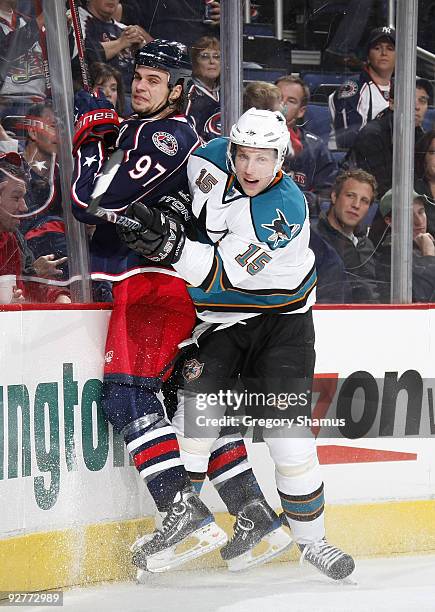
<point x="253" y="285"/>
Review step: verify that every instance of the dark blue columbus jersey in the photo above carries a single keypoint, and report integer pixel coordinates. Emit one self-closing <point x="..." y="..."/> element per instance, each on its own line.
<point x="205" y="111"/>
<point x="155" y="161"/>
<point x="313" y="169"/>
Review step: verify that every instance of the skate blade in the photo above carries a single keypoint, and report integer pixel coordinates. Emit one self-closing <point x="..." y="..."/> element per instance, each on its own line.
<point x="270" y="546"/>
<point x="200" y="542"/>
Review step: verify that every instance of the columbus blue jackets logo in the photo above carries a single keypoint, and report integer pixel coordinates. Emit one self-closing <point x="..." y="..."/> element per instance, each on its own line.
<point x="213" y="127"/>
<point x="280" y="229"/>
<point x="192" y="369"/>
<point x="165" y="142"/>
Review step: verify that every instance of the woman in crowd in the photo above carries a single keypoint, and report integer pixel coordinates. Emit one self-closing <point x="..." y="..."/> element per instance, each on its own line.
<point x="204" y="93"/>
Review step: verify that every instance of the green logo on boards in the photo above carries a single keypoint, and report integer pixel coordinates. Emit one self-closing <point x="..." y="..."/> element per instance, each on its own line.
<point x="41" y="442"/>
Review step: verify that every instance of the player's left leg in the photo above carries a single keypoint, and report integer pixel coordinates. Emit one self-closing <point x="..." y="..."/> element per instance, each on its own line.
<point x="285" y="365"/>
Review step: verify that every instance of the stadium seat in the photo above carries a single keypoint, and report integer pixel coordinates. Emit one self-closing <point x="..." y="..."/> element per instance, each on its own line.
<point x="314" y="80"/>
<point x="264" y="74"/>
<point x="318" y="121"/>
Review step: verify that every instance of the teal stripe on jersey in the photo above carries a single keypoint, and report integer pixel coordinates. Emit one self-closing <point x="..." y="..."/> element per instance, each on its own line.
<point x="215" y="152"/>
<point x="220" y="299"/>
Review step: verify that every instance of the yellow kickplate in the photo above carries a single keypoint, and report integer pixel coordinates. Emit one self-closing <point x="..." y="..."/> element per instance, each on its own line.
<point x="261" y="548"/>
<point x="101" y="552"/>
<point x="187" y="545"/>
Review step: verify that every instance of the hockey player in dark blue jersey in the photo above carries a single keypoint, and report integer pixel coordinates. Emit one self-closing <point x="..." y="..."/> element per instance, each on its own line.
<point x="152" y="312"/>
<point x="253" y="286"/>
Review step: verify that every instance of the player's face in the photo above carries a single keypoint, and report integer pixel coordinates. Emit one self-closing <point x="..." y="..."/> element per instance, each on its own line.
<point x="110" y="89"/>
<point x="254" y="168"/>
<point x="12" y="202"/>
<point x="351" y="205"/>
<point x="209" y="64"/>
<point x="419" y="218"/>
<point x="292" y="97"/>
<point x="429" y="161"/>
<point x="421" y="105"/>
<point x="382" y="57"/>
<point x="149" y="90"/>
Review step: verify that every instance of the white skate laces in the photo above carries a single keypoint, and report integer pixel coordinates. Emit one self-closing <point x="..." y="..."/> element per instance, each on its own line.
<point x="326" y="555"/>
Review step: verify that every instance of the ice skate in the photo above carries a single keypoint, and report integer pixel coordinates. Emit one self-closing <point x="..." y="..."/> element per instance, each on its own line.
<point x="188" y="531"/>
<point x="258" y="537"/>
<point x="328" y="559"/>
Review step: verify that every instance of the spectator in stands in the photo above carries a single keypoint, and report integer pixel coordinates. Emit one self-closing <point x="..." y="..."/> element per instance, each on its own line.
<point x="44" y="227"/>
<point x="423" y="254"/>
<point x="311" y="165"/>
<point x="15" y="257"/>
<point x="359" y="100"/>
<point x="373" y="147"/>
<point x="261" y="95"/>
<point x="352" y="195"/>
<point x="425" y="175"/>
<point x="114" y="42"/>
<point x="204" y="92"/>
<point x="109" y="80"/>
<point x="21" y="55"/>
<point x="181" y="20"/>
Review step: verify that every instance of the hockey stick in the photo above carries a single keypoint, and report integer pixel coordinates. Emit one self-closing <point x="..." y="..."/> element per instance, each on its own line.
<point x="101" y="186"/>
<point x="80" y="46"/>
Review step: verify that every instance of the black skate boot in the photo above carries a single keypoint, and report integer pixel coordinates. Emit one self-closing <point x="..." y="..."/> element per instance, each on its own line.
<point x="328" y="559"/>
<point x="258" y="536"/>
<point x="188" y="531"/>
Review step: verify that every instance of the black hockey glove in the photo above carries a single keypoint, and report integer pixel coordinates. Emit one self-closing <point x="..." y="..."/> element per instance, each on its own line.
<point x="162" y="238"/>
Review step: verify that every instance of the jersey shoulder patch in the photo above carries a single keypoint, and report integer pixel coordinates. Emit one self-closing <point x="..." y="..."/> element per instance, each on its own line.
<point x="165" y="142"/>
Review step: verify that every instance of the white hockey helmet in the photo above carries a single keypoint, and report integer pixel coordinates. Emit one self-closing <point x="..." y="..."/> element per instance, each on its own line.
<point x="260" y="129"/>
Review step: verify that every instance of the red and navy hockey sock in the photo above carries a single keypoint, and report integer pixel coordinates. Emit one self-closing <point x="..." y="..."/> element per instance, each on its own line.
<point x="231" y="474"/>
<point x="156" y="455"/>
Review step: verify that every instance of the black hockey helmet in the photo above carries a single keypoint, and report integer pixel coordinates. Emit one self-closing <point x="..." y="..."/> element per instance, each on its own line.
<point x="167" y="55"/>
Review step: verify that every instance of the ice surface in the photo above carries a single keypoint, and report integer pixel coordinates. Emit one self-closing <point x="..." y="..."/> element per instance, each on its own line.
<point x="395" y="584"/>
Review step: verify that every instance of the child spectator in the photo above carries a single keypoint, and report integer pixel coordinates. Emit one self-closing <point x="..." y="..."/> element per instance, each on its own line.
<point x="109" y="80"/>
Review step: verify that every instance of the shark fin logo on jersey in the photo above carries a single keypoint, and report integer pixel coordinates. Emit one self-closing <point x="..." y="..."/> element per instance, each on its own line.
<point x="280" y="229"/>
<point x="192" y="369"/>
<point x="165" y="142"/>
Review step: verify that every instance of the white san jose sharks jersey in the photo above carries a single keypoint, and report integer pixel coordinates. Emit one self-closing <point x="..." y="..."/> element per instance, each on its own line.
<point x="257" y="259"/>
